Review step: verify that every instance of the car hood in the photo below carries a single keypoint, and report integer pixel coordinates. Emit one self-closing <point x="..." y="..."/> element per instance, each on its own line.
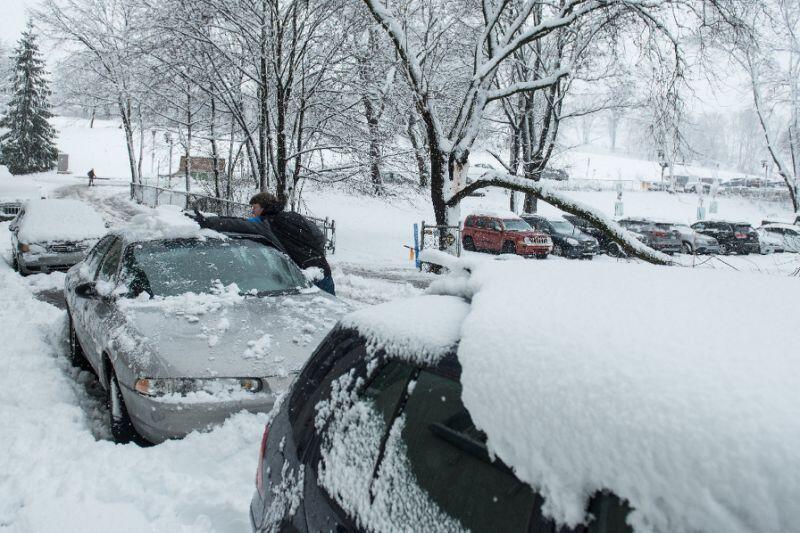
<point x="247" y="337"/>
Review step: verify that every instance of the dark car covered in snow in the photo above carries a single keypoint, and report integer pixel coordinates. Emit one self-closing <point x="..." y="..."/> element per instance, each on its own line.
<point x="568" y="240"/>
<point x="185" y="326"/>
<point x="436" y="413"/>
<point x="733" y="237"/>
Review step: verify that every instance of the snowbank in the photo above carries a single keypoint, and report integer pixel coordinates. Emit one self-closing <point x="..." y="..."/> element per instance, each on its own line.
<point x="60" y="220"/>
<point x="60" y="473"/>
<point x="693" y="420"/>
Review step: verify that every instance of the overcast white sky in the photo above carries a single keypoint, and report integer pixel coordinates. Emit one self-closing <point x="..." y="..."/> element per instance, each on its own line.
<point x="13" y="19"/>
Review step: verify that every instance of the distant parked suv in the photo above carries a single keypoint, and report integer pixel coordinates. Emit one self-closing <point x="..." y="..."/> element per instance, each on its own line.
<point x="666" y="240"/>
<point x="568" y="241"/>
<point x="733" y="237"/>
<point x="504" y="234"/>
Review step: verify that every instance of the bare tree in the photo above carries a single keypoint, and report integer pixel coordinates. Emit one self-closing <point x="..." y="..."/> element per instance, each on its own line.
<point x="103" y="31"/>
<point x="493" y="44"/>
<point x="771" y="59"/>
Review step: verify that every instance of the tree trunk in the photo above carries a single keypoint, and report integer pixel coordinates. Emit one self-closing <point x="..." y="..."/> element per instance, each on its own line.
<point x="374" y="145"/>
<point x="128" y="129"/>
<point x="419" y="152"/>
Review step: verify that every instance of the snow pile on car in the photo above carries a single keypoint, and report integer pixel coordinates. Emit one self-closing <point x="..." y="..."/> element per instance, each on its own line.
<point x="688" y="413"/>
<point x="426" y="327"/>
<point x="165" y="222"/>
<point x="60" y="220"/>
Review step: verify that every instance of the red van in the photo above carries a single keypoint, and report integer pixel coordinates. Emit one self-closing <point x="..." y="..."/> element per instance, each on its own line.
<point x="498" y="234"/>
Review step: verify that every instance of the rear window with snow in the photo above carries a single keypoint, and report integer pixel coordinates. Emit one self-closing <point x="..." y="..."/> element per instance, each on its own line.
<point x="171" y="268"/>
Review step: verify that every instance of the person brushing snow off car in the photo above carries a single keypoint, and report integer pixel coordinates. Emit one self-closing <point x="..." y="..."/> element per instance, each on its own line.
<point x="303" y="241"/>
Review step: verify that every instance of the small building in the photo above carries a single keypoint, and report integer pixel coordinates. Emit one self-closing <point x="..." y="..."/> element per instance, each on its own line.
<point x="202" y="167"/>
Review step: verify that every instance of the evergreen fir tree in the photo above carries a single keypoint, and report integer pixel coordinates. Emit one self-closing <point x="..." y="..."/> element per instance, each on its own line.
<point x="28" y="145"/>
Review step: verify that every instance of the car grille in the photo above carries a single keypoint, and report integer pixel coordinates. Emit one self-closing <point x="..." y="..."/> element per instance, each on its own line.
<point x="540" y="239"/>
<point x="67" y="247"/>
<point x="10" y="209"/>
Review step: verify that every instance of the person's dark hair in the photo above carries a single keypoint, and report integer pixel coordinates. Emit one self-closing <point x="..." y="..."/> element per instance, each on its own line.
<point x="268" y="202"/>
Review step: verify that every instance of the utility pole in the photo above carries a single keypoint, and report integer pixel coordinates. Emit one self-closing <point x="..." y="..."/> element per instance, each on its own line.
<point x="168" y="138"/>
<point x="153" y="153"/>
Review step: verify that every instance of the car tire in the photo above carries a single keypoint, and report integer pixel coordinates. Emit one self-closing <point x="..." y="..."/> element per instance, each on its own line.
<point x="469" y="244"/>
<point x="509" y="248"/>
<point x="14" y="263"/>
<point x="122" y="429"/>
<point x="615" y="250"/>
<point x="557" y="250"/>
<point x="76" y="356"/>
<point x="687" y="248"/>
<point x="541" y="256"/>
<point x="724" y="249"/>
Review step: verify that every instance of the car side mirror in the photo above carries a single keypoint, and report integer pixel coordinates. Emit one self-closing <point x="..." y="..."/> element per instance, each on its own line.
<point x="87" y="290"/>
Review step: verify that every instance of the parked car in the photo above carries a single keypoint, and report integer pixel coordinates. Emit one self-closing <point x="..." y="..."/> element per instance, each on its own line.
<point x="666" y="240"/>
<point x="506" y="234"/>
<point x="604" y="243"/>
<point x="691" y="240"/>
<point x="13" y="196"/>
<point x="733" y="237"/>
<point x="50" y="235"/>
<point x="184" y="327"/>
<point x="779" y="238"/>
<point x="568" y="240"/>
<point x="471" y="424"/>
<point x="557" y="174"/>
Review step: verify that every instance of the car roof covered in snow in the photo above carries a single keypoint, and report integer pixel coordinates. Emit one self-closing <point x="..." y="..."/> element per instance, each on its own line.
<point x="162" y="223"/>
<point x="424" y="328"/>
<point x="494" y="213"/>
<point x="780" y="225"/>
<point x="697" y="435"/>
<point x="60" y="220"/>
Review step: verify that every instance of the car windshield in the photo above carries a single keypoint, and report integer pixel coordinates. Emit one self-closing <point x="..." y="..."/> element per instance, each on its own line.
<point x="515" y="224"/>
<point x="562" y="226"/>
<point x="170" y="268"/>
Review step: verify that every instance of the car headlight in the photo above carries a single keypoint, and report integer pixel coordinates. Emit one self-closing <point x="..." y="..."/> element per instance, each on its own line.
<point x="573" y="242"/>
<point x="527" y="240"/>
<point x="24" y="248"/>
<point x="183" y="386"/>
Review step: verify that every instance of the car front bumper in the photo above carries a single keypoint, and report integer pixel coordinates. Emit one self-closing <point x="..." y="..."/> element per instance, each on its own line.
<point x="158" y="420"/>
<point x="533" y="249"/>
<point x="48" y="262"/>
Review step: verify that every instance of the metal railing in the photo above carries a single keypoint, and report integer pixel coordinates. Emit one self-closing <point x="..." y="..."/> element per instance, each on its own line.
<point x="153" y="196"/>
<point x="431" y="236"/>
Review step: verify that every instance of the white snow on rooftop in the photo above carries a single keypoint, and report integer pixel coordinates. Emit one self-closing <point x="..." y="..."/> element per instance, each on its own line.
<point x="692" y="420"/>
<point x="60" y="220"/>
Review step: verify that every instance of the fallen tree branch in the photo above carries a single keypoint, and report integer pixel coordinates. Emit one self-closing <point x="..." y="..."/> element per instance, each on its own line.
<point x="629" y="243"/>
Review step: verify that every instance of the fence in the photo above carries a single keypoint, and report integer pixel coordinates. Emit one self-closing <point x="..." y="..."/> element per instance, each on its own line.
<point x="152" y="196"/>
<point x="431" y="236"/>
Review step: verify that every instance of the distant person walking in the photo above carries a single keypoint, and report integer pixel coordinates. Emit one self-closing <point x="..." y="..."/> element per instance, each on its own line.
<point x="302" y="239"/>
<point x="91" y="175"/>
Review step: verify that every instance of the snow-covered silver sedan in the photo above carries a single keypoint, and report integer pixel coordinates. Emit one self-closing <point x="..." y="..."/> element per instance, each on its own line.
<point x="185" y="326"/>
